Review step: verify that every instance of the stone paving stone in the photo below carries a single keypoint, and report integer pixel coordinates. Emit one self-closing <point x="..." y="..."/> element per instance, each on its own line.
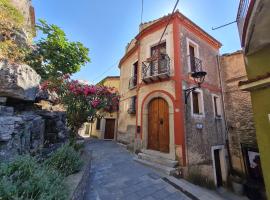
<point x="161" y="194"/>
<point x="131" y="196"/>
<point x="148" y="198"/>
<point x="154" y="176"/>
<point x="146" y="191"/>
<point x="115" y="176"/>
<point x="133" y="182"/>
<point x="171" y="189"/>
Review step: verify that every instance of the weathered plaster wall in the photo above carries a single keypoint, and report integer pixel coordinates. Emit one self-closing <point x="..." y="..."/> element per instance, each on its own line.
<point x="261" y="108"/>
<point x="112" y="82"/>
<point x="258" y="64"/>
<point x="126" y="121"/>
<point x="206" y="53"/>
<point x="238" y="108"/>
<point x="200" y="141"/>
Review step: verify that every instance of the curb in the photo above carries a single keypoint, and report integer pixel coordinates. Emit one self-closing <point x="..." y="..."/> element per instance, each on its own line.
<point x="80" y="191"/>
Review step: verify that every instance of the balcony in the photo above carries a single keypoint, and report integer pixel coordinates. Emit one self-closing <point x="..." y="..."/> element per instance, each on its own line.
<point x="132" y="82"/>
<point x="243" y="16"/>
<point x="253" y="21"/>
<point x="132" y="106"/>
<point x="195" y="64"/>
<point x="156" y="69"/>
<point x="132" y="110"/>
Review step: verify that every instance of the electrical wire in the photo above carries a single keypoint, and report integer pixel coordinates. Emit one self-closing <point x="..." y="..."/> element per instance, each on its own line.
<point x="107" y="70"/>
<point x="169" y="21"/>
<point x="110" y="68"/>
<point x="142" y="12"/>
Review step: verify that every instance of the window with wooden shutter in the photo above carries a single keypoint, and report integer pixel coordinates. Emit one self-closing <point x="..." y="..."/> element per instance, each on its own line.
<point x="197" y="103"/>
<point x="98" y="124"/>
<point x="195" y="99"/>
<point x="217" y="106"/>
<point x="192" y="58"/>
<point x="132" y="106"/>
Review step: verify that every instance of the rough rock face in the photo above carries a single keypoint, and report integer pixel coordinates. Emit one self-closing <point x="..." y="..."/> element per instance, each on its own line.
<point x="55" y="126"/>
<point x="20" y="134"/>
<point x="45" y="95"/>
<point x="18" y="81"/>
<point x="55" y="122"/>
<point x="30" y="130"/>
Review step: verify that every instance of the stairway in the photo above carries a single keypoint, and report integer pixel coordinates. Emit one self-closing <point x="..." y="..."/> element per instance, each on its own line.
<point x="166" y="166"/>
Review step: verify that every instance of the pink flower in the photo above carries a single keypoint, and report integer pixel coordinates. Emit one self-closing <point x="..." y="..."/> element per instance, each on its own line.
<point x="92" y="90"/>
<point x="71" y="87"/>
<point x="66" y="76"/>
<point x="95" y="103"/>
<point x="44" y="85"/>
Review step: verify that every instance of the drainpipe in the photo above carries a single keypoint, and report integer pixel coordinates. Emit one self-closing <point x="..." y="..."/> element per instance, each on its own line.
<point x="116" y="128"/>
<point x="224" y="115"/>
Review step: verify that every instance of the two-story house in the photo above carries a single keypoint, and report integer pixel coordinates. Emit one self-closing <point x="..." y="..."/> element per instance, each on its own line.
<point x="153" y="116"/>
<point x="105" y="125"/>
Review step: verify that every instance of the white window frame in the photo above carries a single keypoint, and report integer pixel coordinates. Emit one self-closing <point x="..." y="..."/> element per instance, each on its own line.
<point x="223" y="164"/>
<point x="155" y="43"/>
<point x="218" y="106"/>
<point x="132" y="73"/>
<point x="196" y="47"/>
<point x="201" y="104"/>
<point x="132" y="68"/>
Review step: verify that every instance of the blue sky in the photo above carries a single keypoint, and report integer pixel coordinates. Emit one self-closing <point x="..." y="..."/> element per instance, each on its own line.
<point x="105" y="27"/>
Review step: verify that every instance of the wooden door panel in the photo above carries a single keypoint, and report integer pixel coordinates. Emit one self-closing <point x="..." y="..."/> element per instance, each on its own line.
<point x="109" y="129"/>
<point x="158" y="125"/>
<point x="163" y="126"/>
<point x="153" y="126"/>
<point x="218" y="167"/>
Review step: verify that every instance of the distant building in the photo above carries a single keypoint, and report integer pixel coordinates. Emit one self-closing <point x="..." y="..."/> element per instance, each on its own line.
<point x="153" y="118"/>
<point x="106" y="126"/>
<point x="253" y="20"/>
<point x="239" y="116"/>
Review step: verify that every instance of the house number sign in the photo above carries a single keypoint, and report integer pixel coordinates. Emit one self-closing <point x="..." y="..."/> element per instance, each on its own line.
<point x="199" y="126"/>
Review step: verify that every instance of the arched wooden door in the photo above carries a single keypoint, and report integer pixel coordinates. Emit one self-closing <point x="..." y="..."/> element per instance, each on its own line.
<point x="158" y="125"/>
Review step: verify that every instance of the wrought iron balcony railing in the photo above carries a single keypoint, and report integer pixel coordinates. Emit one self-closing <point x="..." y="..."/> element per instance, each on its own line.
<point x="132" y="110"/>
<point x="156" y="68"/>
<point x="243" y="17"/>
<point x="132" y="82"/>
<point x="194" y="63"/>
<point x="132" y="105"/>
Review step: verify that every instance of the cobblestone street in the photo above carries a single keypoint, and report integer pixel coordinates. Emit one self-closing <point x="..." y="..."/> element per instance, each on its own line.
<point x="114" y="175"/>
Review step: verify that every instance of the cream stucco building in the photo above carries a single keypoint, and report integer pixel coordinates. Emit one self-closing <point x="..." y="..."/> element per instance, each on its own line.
<point x="154" y="120"/>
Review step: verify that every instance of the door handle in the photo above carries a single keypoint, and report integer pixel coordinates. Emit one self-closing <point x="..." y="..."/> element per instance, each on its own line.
<point x="161" y="121"/>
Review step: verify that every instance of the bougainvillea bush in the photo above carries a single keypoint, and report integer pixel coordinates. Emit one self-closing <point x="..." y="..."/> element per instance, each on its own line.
<point x="83" y="102"/>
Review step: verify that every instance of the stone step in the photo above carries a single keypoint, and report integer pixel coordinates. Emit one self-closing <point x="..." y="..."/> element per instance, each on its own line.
<point x="158" y="160"/>
<point x="166" y="170"/>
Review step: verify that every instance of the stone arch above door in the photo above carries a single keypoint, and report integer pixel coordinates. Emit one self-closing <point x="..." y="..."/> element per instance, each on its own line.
<point x="169" y="99"/>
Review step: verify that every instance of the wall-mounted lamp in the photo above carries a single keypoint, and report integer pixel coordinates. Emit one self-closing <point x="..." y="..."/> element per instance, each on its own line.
<point x="198" y="77"/>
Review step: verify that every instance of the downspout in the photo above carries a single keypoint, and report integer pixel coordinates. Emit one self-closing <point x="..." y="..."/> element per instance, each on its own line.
<point x="224" y="116"/>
